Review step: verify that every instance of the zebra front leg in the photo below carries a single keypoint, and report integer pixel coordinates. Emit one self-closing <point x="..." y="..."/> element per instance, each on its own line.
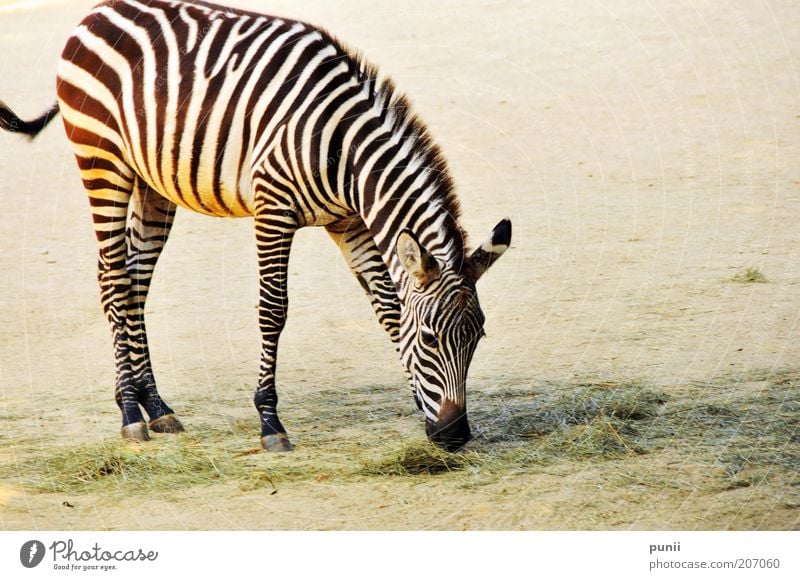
<point x="274" y="234"/>
<point x="149" y="226"/>
<point x="365" y="261"/>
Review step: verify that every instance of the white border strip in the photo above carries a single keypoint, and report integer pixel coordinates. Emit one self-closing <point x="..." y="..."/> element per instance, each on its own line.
<point x="382" y="555"/>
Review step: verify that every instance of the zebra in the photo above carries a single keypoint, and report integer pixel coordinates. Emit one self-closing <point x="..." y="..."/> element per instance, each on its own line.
<point x="232" y="113"/>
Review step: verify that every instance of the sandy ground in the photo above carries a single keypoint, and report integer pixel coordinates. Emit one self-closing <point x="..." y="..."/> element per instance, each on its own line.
<point x="646" y="153"/>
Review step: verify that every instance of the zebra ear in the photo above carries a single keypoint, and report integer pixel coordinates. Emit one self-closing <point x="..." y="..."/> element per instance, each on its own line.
<point x="417" y="261"/>
<point x="490" y="250"/>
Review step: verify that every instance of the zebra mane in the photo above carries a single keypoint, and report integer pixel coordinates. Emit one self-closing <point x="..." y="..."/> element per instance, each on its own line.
<point x="397" y="112"/>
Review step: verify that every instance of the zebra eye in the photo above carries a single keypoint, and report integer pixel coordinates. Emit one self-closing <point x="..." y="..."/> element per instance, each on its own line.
<point x="429" y="339"/>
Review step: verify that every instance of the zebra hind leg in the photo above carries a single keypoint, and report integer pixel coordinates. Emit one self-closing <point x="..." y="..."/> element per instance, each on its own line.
<point x="149" y="225"/>
<point x="110" y="185"/>
<point x="274" y="234"/>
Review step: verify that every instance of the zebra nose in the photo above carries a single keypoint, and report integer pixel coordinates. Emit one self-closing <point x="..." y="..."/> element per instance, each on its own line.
<point x="451" y="430"/>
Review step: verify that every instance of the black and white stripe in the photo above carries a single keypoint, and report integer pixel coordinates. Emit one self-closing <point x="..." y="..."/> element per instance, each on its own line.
<point x="232" y="114"/>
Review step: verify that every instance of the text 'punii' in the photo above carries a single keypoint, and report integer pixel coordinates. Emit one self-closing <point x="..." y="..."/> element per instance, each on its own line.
<point x="673" y="547"/>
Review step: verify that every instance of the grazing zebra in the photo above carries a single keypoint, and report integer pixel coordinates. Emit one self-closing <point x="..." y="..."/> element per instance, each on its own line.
<point x="231" y="113"/>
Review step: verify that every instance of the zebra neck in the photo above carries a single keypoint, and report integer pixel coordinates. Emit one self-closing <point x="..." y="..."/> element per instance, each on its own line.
<point x="400" y="181"/>
<point x="422" y="210"/>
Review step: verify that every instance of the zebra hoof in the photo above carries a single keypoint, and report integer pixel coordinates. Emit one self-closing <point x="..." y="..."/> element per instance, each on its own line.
<point x="166" y="424"/>
<point x="277" y="443"/>
<point x="135" y="432"/>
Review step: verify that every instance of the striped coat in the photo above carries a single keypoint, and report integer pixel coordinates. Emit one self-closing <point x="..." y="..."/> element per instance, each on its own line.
<point x="233" y="114"/>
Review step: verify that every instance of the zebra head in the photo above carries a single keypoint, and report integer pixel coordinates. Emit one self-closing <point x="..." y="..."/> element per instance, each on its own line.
<point x="441" y="323"/>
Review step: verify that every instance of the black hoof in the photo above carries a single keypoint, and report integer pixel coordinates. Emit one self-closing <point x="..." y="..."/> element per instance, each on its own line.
<point x="135" y="431"/>
<point x="166" y="424"/>
<point x="277" y="443"/>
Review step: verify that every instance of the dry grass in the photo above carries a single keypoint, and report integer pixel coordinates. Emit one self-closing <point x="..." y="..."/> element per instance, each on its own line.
<point x="150" y="468"/>
<point x="419" y="457"/>
<point x="750" y="276"/>
<point x="745" y="427"/>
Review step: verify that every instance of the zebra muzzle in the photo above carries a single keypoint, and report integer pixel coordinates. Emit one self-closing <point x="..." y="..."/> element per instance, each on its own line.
<point x="451" y="431"/>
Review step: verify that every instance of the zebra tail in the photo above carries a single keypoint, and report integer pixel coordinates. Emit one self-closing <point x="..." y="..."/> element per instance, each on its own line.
<point x="10" y="122"/>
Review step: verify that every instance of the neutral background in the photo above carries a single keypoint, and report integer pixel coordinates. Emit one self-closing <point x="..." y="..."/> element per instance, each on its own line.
<point x="646" y="152"/>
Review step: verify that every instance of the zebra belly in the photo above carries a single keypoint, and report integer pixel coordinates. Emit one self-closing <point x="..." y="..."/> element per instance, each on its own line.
<point x="222" y="197"/>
